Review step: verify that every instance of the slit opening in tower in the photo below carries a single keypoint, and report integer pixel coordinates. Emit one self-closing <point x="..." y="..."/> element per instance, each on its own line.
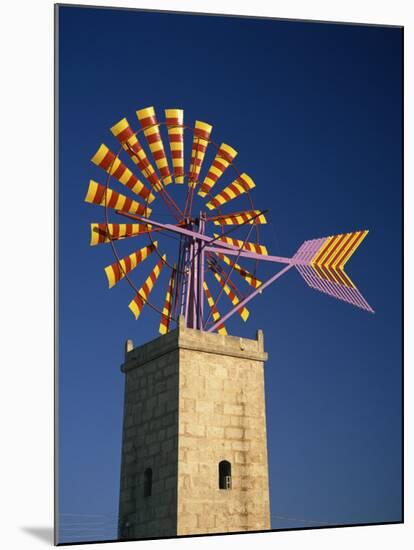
<point x="224" y="475"/>
<point x="148" y="482"/>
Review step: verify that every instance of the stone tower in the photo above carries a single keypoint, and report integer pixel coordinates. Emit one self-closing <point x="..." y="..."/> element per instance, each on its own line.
<point x="194" y="452"/>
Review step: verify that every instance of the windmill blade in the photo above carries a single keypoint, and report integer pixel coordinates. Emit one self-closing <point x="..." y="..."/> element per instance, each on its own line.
<point x="141" y="297"/>
<point x="175" y="120"/>
<point x="244" y="245"/>
<point x="239" y="186"/>
<point x="106" y="159"/>
<point x="166" y="312"/>
<point x="247" y="276"/>
<point x="149" y="123"/>
<point x="131" y="144"/>
<point x="243" y="312"/>
<point x="221" y="329"/>
<point x="117" y="271"/>
<point x="321" y="264"/>
<point x="103" y="196"/>
<point x="201" y="137"/>
<point x="223" y="159"/>
<point x="239" y="218"/>
<point x="102" y="233"/>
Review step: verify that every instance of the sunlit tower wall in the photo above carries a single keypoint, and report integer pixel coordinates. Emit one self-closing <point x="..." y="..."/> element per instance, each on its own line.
<point x="194" y="450"/>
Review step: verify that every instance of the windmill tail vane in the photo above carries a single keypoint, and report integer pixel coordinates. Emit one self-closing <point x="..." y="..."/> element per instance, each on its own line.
<point x="212" y="258"/>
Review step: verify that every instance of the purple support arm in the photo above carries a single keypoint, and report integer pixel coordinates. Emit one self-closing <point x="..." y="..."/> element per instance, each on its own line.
<point x="224" y="248"/>
<point x="250" y="297"/>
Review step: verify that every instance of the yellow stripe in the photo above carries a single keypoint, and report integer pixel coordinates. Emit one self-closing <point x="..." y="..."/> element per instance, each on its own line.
<point x="175" y="113"/>
<point x="326" y="250"/>
<point x="100" y="154"/>
<point x="90" y="195"/>
<point x="94" y="235"/>
<point x="110" y="273"/>
<point x="145" y="113"/>
<point x="203" y="126"/>
<point x="134" y="308"/>
<point x="350" y="251"/>
<point x="229" y="150"/>
<point x="119" y="127"/>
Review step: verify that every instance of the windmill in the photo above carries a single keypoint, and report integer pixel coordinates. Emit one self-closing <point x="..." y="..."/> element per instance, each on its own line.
<point x="210" y="249"/>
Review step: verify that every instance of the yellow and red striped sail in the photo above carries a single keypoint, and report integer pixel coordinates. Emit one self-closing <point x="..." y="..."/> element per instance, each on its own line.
<point x="131" y="144"/>
<point x="166" y="312"/>
<point x="224" y="157"/>
<point x="101" y="233"/>
<point x="243" y="311"/>
<point x="141" y="297"/>
<point x="117" y="271"/>
<point x="149" y="123"/>
<point x="221" y="329"/>
<point x="247" y="276"/>
<point x="330" y="259"/>
<point x="239" y="186"/>
<point x="102" y="196"/>
<point x="175" y="120"/>
<point x="201" y="137"/>
<point x="106" y="159"/>
<point x="240" y="218"/>
<point x="251" y="247"/>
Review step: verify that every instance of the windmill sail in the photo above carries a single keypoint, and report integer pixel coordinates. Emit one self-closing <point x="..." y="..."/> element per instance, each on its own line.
<point x="224" y="157"/>
<point x="103" y="196"/>
<point x="166" y="312"/>
<point x="141" y="297"/>
<point x="175" y="120"/>
<point x="117" y="271"/>
<point x="202" y="132"/>
<point x="244" y="245"/>
<point x="103" y="233"/>
<point x="106" y="159"/>
<point x="131" y="144"/>
<point x="238" y="187"/>
<point x="239" y="218"/>
<point x="221" y="329"/>
<point x="149" y="123"/>
<point x="247" y="276"/>
<point x="243" y="311"/>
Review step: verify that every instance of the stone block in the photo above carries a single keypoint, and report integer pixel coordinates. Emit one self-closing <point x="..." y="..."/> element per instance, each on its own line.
<point x="234" y="433"/>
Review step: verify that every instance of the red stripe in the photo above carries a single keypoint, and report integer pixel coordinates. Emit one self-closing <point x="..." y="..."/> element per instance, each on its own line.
<point x="175" y="138"/>
<point x="99" y="195"/>
<point x="119" y="171"/>
<point x="128" y="264"/>
<point x="117" y="271"/>
<point x="154" y="138"/>
<point x="107" y="161"/>
<point x="148" y="121"/>
<point x="158" y="155"/>
<point x="201" y="134"/>
<point x="113" y="200"/>
<point x="172" y="121"/>
<point x="226" y="155"/>
<point x="124" y="135"/>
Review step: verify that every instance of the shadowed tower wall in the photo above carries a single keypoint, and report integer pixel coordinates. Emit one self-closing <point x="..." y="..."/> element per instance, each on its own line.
<point x="194" y="400"/>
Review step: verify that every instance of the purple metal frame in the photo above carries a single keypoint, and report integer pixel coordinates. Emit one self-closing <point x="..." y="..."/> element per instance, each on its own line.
<point x="195" y="244"/>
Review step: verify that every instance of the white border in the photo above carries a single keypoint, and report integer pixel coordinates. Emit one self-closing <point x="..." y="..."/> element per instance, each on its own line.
<point x="26" y="290"/>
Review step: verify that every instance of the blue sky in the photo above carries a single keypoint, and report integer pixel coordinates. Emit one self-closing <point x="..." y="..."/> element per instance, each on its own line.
<point x="314" y="111"/>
